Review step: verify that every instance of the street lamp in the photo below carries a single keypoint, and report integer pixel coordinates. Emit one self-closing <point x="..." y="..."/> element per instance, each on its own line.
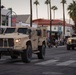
<point x="30" y="13"/>
<point x="10" y="15"/>
<point x="50" y="22"/>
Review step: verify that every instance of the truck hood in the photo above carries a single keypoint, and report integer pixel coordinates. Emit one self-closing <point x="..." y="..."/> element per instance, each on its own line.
<point x="13" y="35"/>
<point x="72" y="38"/>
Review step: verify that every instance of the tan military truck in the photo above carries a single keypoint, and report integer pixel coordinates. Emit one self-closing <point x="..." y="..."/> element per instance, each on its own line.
<point x="23" y="41"/>
<point x="71" y="42"/>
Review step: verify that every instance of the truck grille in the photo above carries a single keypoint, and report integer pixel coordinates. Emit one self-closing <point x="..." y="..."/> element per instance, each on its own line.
<point x="6" y="42"/>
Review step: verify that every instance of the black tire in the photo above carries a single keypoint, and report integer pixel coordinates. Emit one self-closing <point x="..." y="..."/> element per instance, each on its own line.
<point x="14" y="56"/>
<point x="0" y="55"/>
<point x="41" y="54"/>
<point x="26" y="55"/>
<point x="73" y="48"/>
<point x="68" y="48"/>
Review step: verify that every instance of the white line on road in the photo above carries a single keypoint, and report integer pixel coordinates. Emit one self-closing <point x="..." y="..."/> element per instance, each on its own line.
<point x="66" y="63"/>
<point x="47" y="62"/>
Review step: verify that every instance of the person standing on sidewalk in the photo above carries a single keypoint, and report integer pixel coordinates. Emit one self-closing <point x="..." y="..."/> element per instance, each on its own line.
<point x="56" y="43"/>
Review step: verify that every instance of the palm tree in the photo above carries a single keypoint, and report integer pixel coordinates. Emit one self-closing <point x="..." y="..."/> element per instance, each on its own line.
<point x="54" y="8"/>
<point x="0" y="12"/>
<point x="63" y="2"/>
<point x="47" y="2"/>
<point x="72" y="12"/>
<point x="36" y="3"/>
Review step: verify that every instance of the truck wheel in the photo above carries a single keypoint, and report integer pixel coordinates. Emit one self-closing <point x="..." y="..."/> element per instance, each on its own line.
<point x="73" y="48"/>
<point x="14" y="57"/>
<point x="41" y="54"/>
<point x="68" y="48"/>
<point x="0" y="55"/>
<point x="26" y="55"/>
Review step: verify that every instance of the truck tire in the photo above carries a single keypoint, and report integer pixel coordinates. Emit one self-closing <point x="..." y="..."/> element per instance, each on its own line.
<point x="26" y="55"/>
<point x="0" y="55"/>
<point x="41" y="54"/>
<point x="73" y="47"/>
<point x="68" y="48"/>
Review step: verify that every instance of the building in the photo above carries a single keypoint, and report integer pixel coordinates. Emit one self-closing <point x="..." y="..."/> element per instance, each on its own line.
<point x="56" y="28"/>
<point x="22" y="20"/>
<point x="5" y="17"/>
<point x="10" y="18"/>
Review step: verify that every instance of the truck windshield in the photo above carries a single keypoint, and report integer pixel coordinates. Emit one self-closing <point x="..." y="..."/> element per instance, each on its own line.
<point x="9" y="30"/>
<point x="1" y="30"/>
<point x="73" y="35"/>
<point x="23" y="30"/>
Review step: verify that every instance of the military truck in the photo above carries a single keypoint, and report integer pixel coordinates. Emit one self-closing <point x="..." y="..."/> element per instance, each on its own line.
<point x="71" y="42"/>
<point x="23" y="41"/>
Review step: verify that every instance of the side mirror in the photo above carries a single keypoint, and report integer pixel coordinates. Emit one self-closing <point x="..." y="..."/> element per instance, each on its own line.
<point x="29" y="31"/>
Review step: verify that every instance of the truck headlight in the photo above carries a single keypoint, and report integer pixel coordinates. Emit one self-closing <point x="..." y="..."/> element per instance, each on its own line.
<point x="17" y="40"/>
<point x="69" y="41"/>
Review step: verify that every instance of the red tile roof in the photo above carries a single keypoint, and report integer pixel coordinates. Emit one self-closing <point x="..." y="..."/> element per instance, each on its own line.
<point x="47" y="22"/>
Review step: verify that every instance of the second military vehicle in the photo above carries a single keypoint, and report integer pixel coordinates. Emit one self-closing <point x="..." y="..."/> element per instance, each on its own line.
<point x="71" y="42"/>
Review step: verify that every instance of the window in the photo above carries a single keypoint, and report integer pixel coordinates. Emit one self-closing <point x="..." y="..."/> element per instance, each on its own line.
<point x="59" y="28"/>
<point x="39" y="32"/>
<point x="4" y="20"/>
<point x="22" y="30"/>
<point x="10" y="30"/>
<point x="54" y="28"/>
<point x="44" y="33"/>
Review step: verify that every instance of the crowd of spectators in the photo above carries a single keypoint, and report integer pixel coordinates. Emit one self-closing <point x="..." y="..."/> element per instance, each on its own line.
<point x="56" y="42"/>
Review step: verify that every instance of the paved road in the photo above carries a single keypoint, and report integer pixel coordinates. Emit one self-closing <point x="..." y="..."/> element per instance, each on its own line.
<point x="58" y="61"/>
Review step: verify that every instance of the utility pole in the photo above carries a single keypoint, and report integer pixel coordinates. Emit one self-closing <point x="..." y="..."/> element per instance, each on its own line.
<point x="50" y="23"/>
<point x="30" y="13"/>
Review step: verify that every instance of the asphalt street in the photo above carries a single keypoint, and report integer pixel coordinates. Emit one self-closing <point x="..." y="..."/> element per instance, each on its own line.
<point x="58" y="61"/>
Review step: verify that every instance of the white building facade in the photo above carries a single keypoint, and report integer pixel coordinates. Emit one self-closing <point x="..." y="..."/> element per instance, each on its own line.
<point x="59" y="29"/>
<point x="6" y="17"/>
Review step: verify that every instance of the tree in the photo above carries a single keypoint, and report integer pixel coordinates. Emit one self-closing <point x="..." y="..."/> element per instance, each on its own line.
<point x="63" y="2"/>
<point x="54" y="8"/>
<point x="0" y="12"/>
<point x="72" y="12"/>
<point x="47" y="2"/>
<point x="36" y="3"/>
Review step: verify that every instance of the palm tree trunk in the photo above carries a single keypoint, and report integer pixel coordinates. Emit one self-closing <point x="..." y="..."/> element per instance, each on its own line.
<point x="36" y="11"/>
<point x="50" y="23"/>
<point x="63" y="20"/>
<point x="48" y="11"/>
<point x="0" y="12"/>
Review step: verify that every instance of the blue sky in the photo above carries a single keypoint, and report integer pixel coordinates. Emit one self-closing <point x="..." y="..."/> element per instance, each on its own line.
<point x="23" y="7"/>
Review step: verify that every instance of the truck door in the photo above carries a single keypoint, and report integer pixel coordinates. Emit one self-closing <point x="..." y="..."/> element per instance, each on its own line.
<point x="34" y="39"/>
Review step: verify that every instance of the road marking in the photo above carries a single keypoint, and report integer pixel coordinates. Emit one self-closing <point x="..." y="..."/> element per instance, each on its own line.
<point x="52" y="73"/>
<point x="66" y="63"/>
<point x="47" y="62"/>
